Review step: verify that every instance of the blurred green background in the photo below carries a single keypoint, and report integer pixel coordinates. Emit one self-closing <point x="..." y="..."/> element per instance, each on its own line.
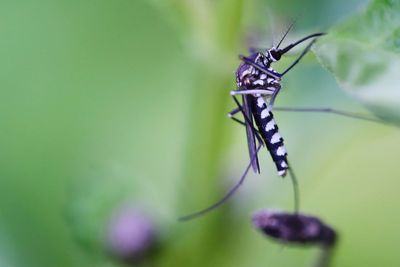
<point x="110" y="103"/>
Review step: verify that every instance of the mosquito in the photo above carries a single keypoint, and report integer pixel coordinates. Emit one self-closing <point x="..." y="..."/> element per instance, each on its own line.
<point x="258" y="84"/>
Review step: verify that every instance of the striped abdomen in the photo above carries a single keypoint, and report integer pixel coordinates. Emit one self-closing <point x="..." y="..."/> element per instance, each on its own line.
<point x="269" y="132"/>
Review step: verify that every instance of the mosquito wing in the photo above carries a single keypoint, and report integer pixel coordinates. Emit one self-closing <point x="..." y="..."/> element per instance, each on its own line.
<point x="251" y="140"/>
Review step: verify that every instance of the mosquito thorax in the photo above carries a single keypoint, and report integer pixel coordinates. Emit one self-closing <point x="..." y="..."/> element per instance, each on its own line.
<point x="248" y="77"/>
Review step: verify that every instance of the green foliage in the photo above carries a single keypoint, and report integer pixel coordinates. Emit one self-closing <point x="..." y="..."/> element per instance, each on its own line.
<point x="363" y="53"/>
<point x="110" y="103"/>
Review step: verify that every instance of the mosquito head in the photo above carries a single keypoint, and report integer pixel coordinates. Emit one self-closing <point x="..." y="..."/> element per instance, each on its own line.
<point x="274" y="54"/>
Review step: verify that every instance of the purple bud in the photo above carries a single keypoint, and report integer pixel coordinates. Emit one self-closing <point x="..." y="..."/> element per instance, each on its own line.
<point x="294" y="228"/>
<point x="130" y="234"/>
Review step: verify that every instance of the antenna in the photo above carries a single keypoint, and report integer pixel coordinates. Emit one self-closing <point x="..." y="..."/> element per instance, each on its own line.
<point x="286" y="32"/>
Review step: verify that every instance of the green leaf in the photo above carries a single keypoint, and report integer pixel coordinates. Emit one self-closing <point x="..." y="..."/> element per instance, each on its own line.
<point x="363" y="53"/>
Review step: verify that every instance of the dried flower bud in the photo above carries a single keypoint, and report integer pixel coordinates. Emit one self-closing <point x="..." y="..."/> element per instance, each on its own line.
<point x="294" y="228"/>
<point x="130" y="234"/>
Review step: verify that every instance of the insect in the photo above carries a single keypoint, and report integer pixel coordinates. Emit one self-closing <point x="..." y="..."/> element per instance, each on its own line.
<point x="298" y="229"/>
<point x="259" y="84"/>
<point x="257" y="80"/>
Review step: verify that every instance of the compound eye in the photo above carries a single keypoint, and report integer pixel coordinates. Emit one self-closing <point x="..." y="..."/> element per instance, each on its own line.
<point x="275" y="54"/>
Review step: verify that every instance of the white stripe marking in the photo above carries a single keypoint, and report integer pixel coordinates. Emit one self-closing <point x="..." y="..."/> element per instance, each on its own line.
<point x="264" y="113"/>
<point x="282" y="173"/>
<point x="270" y="125"/>
<point x="260" y="102"/>
<point x="263" y="76"/>
<point x="259" y="82"/>
<point x="276" y="138"/>
<point x="281" y="151"/>
<point x="245" y="72"/>
<point x="284" y="165"/>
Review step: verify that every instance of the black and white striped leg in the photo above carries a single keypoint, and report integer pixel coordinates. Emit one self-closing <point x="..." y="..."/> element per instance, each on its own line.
<point x="331" y="111"/>
<point x="276" y="92"/>
<point x="227" y="196"/>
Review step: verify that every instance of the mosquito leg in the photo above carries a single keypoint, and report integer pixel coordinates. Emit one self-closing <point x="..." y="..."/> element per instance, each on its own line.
<point x="332" y="111"/>
<point x="275" y="93"/>
<point x="251" y="132"/>
<point x="247" y="120"/>
<point x="237" y="110"/>
<point x="242" y="111"/>
<point x="289" y="47"/>
<point x="238" y="121"/>
<point x="233" y="112"/>
<point x="295" y="184"/>
<point x="271" y="73"/>
<point x="291" y="172"/>
<point x="231" y="116"/>
<point x="275" y="74"/>
<point x="227" y="196"/>
<point x="308" y="47"/>
<point x="266" y="92"/>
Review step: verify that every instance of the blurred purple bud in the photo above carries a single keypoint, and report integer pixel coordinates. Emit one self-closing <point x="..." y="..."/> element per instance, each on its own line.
<point x="294" y="228"/>
<point x="130" y="234"/>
